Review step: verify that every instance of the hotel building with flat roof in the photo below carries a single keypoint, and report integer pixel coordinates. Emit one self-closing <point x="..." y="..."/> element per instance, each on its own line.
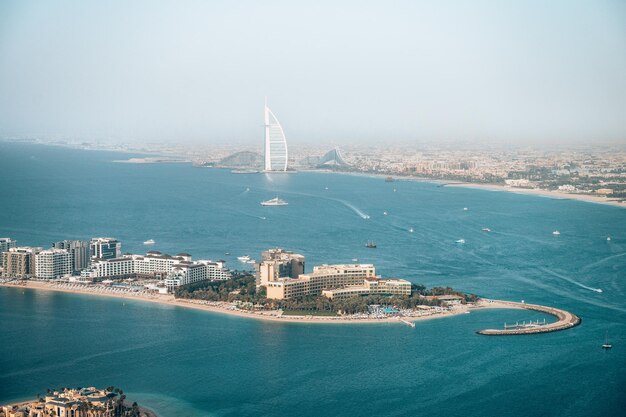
<point x="371" y="286"/>
<point x="322" y="278"/>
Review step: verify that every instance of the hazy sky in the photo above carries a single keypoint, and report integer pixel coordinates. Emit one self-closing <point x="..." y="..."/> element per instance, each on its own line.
<point x="342" y="71"/>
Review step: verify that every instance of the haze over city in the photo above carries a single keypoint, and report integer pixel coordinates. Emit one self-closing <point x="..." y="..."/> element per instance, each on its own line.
<point x="348" y="73"/>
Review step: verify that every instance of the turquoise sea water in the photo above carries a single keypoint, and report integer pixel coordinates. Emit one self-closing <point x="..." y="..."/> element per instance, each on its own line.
<point x="191" y="363"/>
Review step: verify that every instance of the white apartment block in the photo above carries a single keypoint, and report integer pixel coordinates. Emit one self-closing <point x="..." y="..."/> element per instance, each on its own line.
<point x="53" y="263"/>
<point x="7" y="243"/>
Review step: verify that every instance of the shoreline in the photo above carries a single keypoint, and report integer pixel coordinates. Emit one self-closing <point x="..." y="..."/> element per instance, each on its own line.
<point x="557" y="195"/>
<point x="269" y="315"/>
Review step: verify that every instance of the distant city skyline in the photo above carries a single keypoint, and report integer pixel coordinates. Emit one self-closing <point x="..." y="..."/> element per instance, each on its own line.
<point x="355" y="72"/>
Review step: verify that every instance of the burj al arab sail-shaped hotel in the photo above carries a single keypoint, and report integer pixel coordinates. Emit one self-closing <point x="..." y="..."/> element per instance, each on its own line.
<point x="275" y="143"/>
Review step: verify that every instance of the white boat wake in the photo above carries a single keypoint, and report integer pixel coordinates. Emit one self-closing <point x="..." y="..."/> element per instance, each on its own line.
<point x="571" y="281"/>
<point x="353" y="208"/>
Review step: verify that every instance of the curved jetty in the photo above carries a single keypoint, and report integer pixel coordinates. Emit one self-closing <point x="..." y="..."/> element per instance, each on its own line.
<point x="566" y="320"/>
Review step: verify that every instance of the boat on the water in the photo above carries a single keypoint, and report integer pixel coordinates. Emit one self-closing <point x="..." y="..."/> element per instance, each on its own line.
<point x="385" y="213"/>
<point x="274" y="202"/>
<point x="149" y="242"/>
<point x="461" y="241"/>
<point x="250" y="261"/>
<point x="606" y="344"/>
<point x="355" y="260"/>
<point x="411" y="230"/>
<point x="556" y="233"/>
<point x="370" y="244"/>
<point x="486" y="229"/>
<point x="244" y="258"/>
<point x="608" y="238"/>
<point x="465" y="208"/>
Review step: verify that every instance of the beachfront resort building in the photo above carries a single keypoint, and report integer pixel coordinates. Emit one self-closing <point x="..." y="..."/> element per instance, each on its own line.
<point x="188" y="272"/>
<point x="19" y="262"/>
<point x="80" y="251"/>
<point x="53" y="263"/>
<point x="282" y="274"/>
<point x="105" y="248"/>
<point x="278" y="263"/>
<point x="80" y="402"/>
<point x="322" y="278"/>
<point x="6" y="243"/>
<point x="175" y="270"/>
<point x="371" y="286"/>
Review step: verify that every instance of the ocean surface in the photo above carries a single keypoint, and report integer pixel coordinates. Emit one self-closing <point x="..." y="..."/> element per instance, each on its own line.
<point x="182" y="362"/>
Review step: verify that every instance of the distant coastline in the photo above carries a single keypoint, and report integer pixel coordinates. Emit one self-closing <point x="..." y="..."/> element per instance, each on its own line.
<point x="559" y="195"/>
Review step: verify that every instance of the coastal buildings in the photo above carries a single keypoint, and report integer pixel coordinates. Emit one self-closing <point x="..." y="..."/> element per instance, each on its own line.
<point x="53" y="263"/>
<point x="276" y="154"/>
<point x="19" y="262"/>
<point x="323" y="277"/>
<point x="73" y="402"/>
<point x="371" y="286"/>
<point x="278" y="263"/>
<point x="105" y="248"/>
<point x="80" y="251"/>
<point x="188" y="272"/>
<point x="175" y="270"/>
<point x="6" y="243"/>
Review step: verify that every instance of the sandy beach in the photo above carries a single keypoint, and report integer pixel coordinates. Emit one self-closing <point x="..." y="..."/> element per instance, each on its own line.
<point x="228" y="308"/>
<point x="542" y="193"/>
<point x="560" y="195"/>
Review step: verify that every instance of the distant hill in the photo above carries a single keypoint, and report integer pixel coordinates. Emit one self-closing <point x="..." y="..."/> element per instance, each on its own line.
<point x="244" y="159"/>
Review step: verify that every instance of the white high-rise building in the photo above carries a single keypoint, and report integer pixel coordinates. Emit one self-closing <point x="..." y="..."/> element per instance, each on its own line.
<point x="7" y="243"/>
<point x="80" y="250"/>
<point x="53" y="263"/>
<point x="276" y="154"/>
<point x="105" y="248"/>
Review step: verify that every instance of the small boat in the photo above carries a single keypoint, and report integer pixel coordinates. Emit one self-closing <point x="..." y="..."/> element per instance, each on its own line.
<point x="411" y="230"/>
<point x="326" y="188"/>
<point x="227" y="253"/>
<point x="461" y="241"/>
<point x="244" y="258"/>
<point x="355" y="260"/>
<point x="394" y="190"/>
<point x="274" y="202"/>
<point x="556" y="233"/>
<point x="250" y="261"/>
<point x="385" y="213"/>
<point x="370" y="244"/>
<point x="606" y="344"/>
<point x="465" y="209"/>
<point x="608" y="238"/>
<point x="486" y="229"/>
<point x="149" y="242"/>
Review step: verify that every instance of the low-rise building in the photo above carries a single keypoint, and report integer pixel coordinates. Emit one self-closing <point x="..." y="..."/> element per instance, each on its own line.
<point x="188" y="272"/>
<point x="323" y="277"/>
<point x="371" y="286"/>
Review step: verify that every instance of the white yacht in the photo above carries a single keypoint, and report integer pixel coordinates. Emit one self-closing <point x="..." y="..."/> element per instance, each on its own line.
<point x="385" y="213"/>
<point x="461" y="241"/>
<point x="608" y="238"/>
<point x="149" y="242"/>
<point x="486" y="229"/>
<point x="274" y="202"/>
<point x="244" y="258"/>
<point x="556" y="233"/>
<point x="411" y="230"/>
<point x="465" y="209"/>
